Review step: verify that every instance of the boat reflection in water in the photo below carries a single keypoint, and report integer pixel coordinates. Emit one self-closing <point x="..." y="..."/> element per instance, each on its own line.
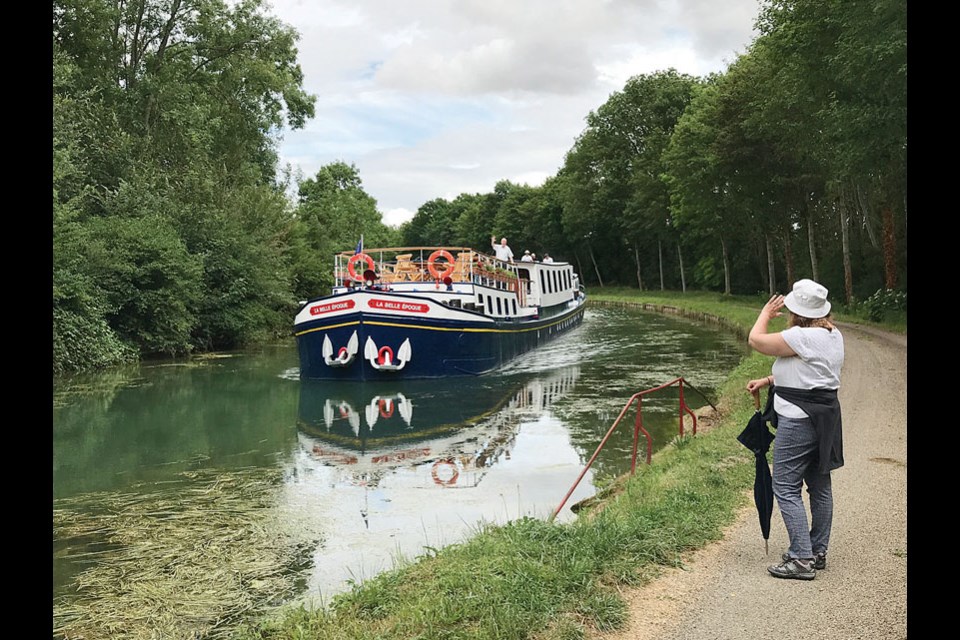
<point x="380" y="464"/>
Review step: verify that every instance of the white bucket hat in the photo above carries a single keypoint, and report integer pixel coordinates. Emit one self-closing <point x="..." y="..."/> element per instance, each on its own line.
<point x="808" y="299"/>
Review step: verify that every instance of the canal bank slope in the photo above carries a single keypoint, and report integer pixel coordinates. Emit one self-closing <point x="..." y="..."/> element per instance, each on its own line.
<point x="723" y="591"/>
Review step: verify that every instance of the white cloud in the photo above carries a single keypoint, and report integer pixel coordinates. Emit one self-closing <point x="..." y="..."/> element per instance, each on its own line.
<point x="434" y="98"/>
<point x="396" y="217"/>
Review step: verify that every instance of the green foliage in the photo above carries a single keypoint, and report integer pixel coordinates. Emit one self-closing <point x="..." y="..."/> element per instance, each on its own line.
<point x="434" y="224"/>
<point x="332" y="213"/>
<point x="843" y="66"/>
<point x="613" y="194"/>
<point x="149" y="282"/>
<point x="82" y="338"/>
<point x="708" y="274"/>
<point x="473" y="221"/>
<point x="170" y="231"/>
<point x="884" y="303"/>
<point x="605" y="610"/>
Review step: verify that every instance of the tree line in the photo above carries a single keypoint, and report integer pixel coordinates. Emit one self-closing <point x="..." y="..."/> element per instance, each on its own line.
<point x="173" y="231"/>
<point x="790" y="164"/>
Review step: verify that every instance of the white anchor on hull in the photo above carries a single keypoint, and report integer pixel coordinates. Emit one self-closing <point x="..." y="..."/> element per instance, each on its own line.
<point x="345" y="356"/>
<point x="382" y="359"/>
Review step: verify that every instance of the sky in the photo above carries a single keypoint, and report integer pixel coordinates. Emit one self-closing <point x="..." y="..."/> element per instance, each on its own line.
<point x="434" y="98"/>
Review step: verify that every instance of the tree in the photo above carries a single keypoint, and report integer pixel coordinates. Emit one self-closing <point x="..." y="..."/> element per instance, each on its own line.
<point x="613" y="186"/>
<point x="700" y="200"/>
<point x="843" y="66"/>
<point x="149" y="282"/>
<point x="541" y="217"/>
<point x="333" y="212"/>
<point x="434" y="223"/>
<point x="166" y="118"/>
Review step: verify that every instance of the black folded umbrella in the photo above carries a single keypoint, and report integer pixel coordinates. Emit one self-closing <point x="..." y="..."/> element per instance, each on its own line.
<point x="757" y="437"/>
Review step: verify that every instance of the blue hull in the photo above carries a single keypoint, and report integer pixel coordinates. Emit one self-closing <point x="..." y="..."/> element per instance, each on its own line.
<point x="438" y="348"/>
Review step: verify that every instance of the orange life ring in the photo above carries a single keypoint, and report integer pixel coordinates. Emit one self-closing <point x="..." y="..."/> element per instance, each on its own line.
<point x="436" y="474"/>
<point x="431" y="264"/>
<point x="352" y="262"/>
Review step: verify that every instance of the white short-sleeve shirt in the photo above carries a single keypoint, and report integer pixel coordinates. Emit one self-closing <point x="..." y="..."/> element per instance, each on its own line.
<point x="817" y="364"/>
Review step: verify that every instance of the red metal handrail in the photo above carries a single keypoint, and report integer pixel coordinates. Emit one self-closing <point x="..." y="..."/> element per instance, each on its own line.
<point x="637" y="428"/>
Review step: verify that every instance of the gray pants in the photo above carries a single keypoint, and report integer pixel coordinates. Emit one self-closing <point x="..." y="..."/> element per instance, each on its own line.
<point x="795" y="461"/>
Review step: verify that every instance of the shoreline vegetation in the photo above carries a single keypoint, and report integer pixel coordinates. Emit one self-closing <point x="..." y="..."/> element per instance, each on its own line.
<point x="536" y="579"/>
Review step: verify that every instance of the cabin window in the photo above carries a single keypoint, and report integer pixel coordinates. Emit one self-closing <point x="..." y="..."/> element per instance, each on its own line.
<point x="514" y="304"/>
<point x="490" y="305"/>
<point x="499" y="308"/>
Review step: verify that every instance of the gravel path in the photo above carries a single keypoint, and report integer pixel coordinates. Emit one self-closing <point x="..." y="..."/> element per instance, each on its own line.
<point x="724" y="591"/>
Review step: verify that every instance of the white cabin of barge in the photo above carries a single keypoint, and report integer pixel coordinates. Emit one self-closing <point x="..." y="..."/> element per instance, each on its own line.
<point x="460" y="277"/>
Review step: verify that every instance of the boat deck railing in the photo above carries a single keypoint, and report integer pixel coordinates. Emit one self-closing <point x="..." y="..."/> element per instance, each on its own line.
<point x="637" y="399"/>
<point x="427" y="264"/>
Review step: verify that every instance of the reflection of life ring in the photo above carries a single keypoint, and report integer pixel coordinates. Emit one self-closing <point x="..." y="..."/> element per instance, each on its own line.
<point x="435" y="472"/>
<point x="432" y="264"/>
<point x="352" y="262"/>
<point x="386" y="408"/>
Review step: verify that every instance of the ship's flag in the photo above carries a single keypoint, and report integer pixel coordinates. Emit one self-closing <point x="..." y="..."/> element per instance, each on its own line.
<point x="359" y="245"/>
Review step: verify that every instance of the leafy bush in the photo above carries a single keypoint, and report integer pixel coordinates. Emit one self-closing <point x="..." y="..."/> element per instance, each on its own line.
<point x="884" y="301"/>
<point x="147" y="281"/>
<point x="83" y="340"/>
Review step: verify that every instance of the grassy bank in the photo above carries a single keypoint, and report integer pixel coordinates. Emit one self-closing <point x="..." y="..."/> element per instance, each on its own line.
<point x="540" y="580"/>
<point x="735" y="312"/>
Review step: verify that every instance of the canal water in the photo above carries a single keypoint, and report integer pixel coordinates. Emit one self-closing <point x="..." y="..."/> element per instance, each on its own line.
<point x="192" y="495"/>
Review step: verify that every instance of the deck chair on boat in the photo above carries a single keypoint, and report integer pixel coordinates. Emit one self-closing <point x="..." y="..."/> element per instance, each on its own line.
<point x="406" y="270"/>
<point x="461" y="266"/>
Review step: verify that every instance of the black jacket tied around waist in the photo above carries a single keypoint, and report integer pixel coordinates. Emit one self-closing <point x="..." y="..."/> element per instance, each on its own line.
<point x="823" y="407"/>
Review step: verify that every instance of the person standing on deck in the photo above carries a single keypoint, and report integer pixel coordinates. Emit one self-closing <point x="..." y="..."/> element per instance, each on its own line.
<point x="502" y="250"/>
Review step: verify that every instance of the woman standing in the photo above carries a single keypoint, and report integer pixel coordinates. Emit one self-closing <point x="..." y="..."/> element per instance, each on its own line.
<point x="806" y="414"/>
